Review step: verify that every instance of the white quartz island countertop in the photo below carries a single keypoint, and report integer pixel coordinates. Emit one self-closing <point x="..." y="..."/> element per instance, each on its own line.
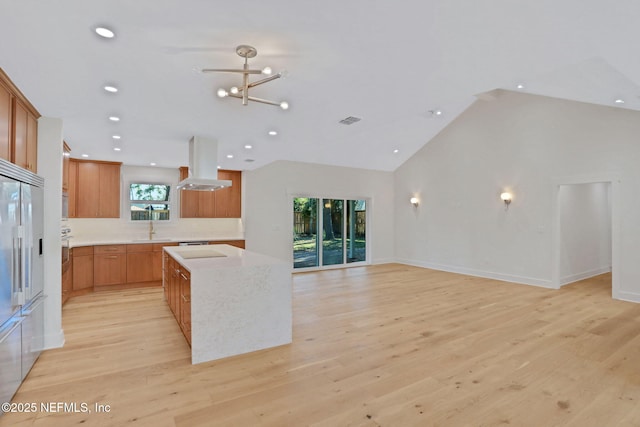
<point x="240" y="300"/>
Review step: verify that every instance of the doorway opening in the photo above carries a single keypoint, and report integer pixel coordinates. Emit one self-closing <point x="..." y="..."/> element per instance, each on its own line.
<point x="585" y="232"/>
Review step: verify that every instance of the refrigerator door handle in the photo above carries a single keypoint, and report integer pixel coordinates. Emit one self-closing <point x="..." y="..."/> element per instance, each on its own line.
<point x="11" y="329"/>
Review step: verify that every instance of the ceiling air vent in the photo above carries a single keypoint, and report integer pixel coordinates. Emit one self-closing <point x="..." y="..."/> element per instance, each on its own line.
<point x="249" y="160"/>
<point x="350" y="120"/>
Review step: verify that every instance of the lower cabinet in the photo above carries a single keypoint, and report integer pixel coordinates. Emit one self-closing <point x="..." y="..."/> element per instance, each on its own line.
<point x="82" y="267"/>
<point x="140" y="263"/>
<point x="109" y="265"/>
<point x="177" y="290"/>
<point x="236" y="243"/>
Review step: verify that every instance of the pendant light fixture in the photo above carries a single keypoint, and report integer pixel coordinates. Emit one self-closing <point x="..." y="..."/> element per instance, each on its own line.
<point x="242" y="92"/>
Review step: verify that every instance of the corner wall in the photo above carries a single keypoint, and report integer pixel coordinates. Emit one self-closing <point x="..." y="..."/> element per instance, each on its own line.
<point x="523" y="144"/>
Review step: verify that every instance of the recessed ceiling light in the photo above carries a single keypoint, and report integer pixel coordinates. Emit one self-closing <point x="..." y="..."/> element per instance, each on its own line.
<point x="114" y="118"/>
<point x="105" y="32"/>
<point x="85" y="155"/>
<point x="273" y="133"/>
<point x="519" y="86"/>
<point x="219" y="166"/>
<point x="152" y="164"/>
<point x="116" y="148"/>
<point x="229" y="156"/>
<point x="111" y="89"/>
<point x="396" y="151"/>
<point x="248" y="147"/>
<point x="116" y="137"/>
<point x="619" y="101"/>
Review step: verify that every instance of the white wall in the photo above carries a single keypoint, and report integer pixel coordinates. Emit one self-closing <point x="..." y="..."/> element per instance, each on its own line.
<point x="50" y="168"/>
<point x="522" y="143"/>
<point x="176" y="228"/>
<point x="269" y="204"/>
<point x="585" y="231"/>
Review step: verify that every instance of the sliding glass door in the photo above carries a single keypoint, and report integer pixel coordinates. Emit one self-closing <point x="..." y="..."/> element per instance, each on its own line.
<point x="328" y="232"/>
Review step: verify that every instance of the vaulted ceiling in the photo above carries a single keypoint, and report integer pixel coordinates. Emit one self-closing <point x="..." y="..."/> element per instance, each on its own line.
<point x="392" y="64"/>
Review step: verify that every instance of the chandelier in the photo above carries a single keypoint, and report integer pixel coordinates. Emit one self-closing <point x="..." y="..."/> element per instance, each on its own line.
<point x="242" y="92"/>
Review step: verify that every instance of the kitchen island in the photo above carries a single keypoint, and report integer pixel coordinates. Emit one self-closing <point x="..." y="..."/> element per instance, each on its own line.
<point x="227" y="300"/>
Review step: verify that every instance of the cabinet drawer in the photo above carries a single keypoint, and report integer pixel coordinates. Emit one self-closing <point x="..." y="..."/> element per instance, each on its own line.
<point x="143" y="247"/>
<point x="82" y="250"/>
<point x="109" y="249"/>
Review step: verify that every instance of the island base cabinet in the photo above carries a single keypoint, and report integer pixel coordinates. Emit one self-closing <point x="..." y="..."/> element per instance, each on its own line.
<point x="185" y="304"/>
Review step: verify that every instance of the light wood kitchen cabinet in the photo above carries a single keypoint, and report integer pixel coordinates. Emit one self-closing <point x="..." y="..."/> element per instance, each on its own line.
<point x="157" y="259"/>
<point x="67" y="282"/>
<point x="97" y="189"/>
<point x="140" y="263"/>
<point x="72" y="192"/>
<point x="185" y="303"/>
<point x="6" y="100"/>
<point x="223" y="203"/>
<point x="82" y="267"/>
<point x="18" y="126"/>
<point x="66" y="158"/>
<point x="109" y="265"/>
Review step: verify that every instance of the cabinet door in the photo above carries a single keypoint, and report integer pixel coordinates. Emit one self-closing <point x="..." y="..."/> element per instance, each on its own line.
<point x="109" y="191"/>
<point x="109" y="269"/>
<point x="88" y="190"/>
<point x="73" y="188"/>
<point x="5" y="123"/>
<point x="188" y="199"/>
<point x="206" y="203"/>
<point x="20" y="116"/>
<point x="185" y="304"/>
<point x="82" y="268"/>
<point x="32" y="143"/>
<point x="140" y="267"/>
<point x="228" y="200"/>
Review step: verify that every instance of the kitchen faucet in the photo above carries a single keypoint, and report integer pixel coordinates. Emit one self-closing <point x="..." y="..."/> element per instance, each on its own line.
<point x="151" y="230"/>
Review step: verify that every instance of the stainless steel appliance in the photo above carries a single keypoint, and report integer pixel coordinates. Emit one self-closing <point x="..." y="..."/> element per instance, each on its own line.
<point x="21" y="275"/>
<point x="198" y="243"/>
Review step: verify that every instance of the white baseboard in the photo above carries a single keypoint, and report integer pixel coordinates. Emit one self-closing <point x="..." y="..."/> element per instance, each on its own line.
<point x="383" y="261"/>
<point x="54" y="340"/>
<point x="480" y="273"/>
<point x="584" y="275"/>
<point x="628" y="296"/>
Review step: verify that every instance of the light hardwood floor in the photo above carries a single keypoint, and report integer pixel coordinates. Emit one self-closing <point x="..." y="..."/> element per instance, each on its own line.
<point x="387" y="345"/>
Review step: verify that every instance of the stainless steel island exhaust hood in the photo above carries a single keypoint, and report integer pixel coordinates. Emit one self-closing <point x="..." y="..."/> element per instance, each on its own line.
<point x="203" y="166"/>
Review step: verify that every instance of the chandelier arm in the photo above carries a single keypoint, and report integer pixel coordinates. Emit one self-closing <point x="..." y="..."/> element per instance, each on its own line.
<point x="264" y="101"/>
<point x="229" y="70"/>
<point x="265" y="80"/>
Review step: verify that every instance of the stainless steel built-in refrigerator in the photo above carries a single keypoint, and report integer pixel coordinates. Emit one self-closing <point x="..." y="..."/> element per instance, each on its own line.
<point x="21" y="275"/>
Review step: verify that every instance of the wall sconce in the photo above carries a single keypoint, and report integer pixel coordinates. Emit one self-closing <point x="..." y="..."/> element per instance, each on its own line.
<point x="414" y="201"/>
<point x="506" y="198"/>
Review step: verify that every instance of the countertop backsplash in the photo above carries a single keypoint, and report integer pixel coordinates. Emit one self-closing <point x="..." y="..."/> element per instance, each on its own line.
<point x="104" y="229"/>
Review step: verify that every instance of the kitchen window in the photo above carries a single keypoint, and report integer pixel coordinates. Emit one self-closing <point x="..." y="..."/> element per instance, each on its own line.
<point x="149" y="201"/>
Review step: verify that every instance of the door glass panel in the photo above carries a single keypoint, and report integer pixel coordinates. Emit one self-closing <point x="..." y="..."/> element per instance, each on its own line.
<point x="356" y="230"/>
<point x="332" y="236"/>
<point x="305" y="232"/>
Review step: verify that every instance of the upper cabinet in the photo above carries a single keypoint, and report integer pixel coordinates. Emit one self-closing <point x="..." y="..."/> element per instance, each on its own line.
<point x="94" y="189"/>
<point x="223" y="203"/>
<point x="18" y="126"/>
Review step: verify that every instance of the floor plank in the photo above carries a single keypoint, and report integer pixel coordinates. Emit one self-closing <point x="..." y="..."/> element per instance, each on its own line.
<point x="387" y="345"/>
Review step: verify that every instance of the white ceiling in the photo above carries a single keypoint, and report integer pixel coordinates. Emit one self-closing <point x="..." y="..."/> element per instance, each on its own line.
<point x="386" y="62"/>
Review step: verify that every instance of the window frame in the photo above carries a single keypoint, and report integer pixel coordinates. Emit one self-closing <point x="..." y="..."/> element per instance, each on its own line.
<point x="168" y="202"/>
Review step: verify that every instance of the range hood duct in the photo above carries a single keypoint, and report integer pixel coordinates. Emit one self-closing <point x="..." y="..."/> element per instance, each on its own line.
<point x="203" y="166"/>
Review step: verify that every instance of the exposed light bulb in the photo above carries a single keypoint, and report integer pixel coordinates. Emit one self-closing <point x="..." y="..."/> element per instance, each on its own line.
<point x="266" y="70"/>
<point x="284" y="105"/>
<point x="234" y="90"/>
<point x="105" y="32"/>
<point x="222" y="93"/>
